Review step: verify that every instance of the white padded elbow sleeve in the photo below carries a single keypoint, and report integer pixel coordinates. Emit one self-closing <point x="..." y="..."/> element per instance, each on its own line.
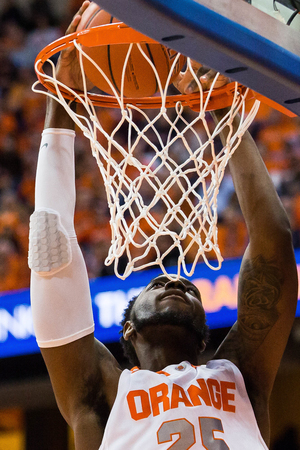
<point x="60" y="295"/>
<point x="61" y="303"/>
<point x="49" y="243"/>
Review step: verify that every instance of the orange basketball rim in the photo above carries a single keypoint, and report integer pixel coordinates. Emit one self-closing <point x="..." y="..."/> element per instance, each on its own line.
<point x="119" y="33"/>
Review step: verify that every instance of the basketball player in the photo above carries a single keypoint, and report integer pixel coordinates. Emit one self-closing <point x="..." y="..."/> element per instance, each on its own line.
<point x="169" y="401"/>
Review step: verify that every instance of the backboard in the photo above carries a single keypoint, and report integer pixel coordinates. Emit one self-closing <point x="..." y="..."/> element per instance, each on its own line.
<point x="246" y="40"/>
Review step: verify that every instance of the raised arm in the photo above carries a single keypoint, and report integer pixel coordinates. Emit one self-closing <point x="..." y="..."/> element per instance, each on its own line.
<point x="267" y="294"/>
<point x="83" y="373"/>
<point x="268" y="281"/>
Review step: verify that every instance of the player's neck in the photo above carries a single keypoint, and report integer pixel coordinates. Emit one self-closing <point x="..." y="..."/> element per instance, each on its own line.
<point x="160" y="348"/>
<point x="159" y="360"/>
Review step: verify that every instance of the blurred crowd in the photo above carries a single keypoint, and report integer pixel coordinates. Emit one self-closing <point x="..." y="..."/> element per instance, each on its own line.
<point x="21" y="122"/>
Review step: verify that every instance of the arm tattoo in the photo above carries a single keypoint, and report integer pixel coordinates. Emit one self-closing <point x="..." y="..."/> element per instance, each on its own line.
<point x="259" y="290"/>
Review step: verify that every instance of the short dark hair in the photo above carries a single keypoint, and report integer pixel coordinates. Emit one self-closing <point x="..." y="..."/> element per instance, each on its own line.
<point x="127" y="346"/>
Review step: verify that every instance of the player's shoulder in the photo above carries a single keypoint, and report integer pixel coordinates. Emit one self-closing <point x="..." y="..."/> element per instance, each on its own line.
<point x="99" y="390"/>
<point x="106" y="362"/>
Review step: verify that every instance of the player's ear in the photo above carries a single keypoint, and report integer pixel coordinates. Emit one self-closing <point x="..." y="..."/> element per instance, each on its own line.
<point x="202" y="346"/>
<point x="128" y="330"/>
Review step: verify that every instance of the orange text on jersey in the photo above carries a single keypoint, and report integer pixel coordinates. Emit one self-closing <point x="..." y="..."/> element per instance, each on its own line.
<point x="160" y="398"/>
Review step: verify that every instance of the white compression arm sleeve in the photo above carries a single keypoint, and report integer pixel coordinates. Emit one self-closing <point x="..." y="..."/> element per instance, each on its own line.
<point x="60" y="298"/>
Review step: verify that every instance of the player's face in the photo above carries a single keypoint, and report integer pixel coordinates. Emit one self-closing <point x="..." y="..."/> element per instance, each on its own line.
<point x="169" y="302"/>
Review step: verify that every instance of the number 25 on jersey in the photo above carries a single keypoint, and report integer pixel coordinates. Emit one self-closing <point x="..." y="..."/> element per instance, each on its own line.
<point x="186" y="431"/>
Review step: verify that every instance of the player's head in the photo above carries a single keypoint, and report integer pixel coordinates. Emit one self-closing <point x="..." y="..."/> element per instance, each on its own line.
<point x="165" y="302"/>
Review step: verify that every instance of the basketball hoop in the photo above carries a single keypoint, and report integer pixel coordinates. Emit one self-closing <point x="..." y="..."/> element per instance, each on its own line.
<point x="161" y="186"/>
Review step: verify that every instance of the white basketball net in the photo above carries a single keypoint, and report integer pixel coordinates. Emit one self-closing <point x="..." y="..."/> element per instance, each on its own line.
<point x="163" y="179"/>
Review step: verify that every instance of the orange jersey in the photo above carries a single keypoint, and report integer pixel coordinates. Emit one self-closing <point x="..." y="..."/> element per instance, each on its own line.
<point x="183" y="407"/>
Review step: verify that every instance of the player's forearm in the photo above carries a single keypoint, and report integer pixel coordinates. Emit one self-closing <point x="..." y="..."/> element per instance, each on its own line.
<point x="57" y="116"/>
<point x="260" y="204"/>
<point x="258" y="199"/>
